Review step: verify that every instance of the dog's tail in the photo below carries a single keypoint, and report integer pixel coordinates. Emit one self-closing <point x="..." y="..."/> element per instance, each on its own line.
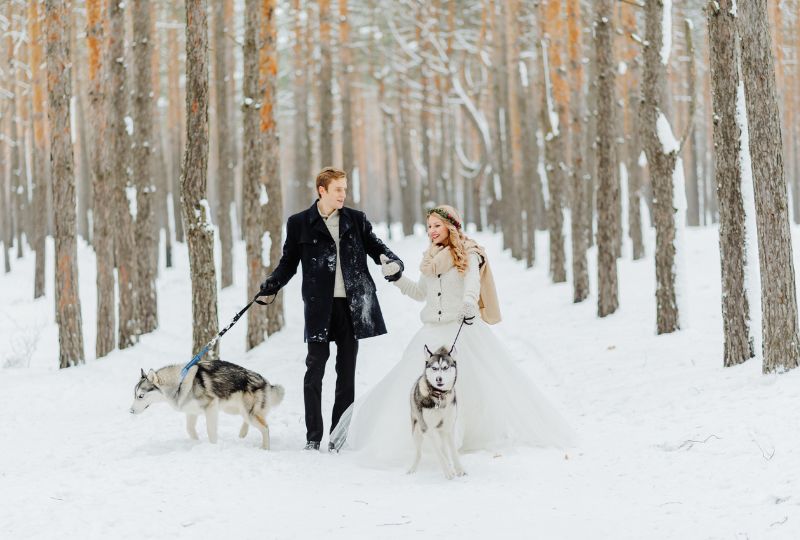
<point x="275" y="394"/>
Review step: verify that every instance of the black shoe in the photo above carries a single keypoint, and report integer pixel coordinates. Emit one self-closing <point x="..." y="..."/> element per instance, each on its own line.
<point x="332" y="448"/>
<point x="312" y="445"/>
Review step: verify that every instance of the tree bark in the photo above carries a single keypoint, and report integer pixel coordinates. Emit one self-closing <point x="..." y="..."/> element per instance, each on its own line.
<point x="661" y="163"/>
<point x="348" y="152"/>
<point x="59" y="67"/>
<point x="146" y="237"/>
<point x="101" y="189"/>
<point x="224" y="145"/>
<point x="252" y="166"/>
<point x="781" y="345"/>
<point x="124" y="243"/>
<point x="199" y="233"/>
<point x="326" y="85"/>
<point x="272" y="208"/>
<point x="607" y="194"/>
<point x="303" y="180"/>
<point x="39" y="184"/>
<point x="728" y="178"/>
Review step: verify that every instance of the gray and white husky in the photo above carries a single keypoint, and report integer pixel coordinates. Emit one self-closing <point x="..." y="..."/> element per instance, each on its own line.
<point x="211" y="386"/>
<point x="434" y="410"/>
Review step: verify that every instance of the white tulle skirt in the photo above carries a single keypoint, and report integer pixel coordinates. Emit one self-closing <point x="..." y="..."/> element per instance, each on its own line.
<point x="498" y="404"/>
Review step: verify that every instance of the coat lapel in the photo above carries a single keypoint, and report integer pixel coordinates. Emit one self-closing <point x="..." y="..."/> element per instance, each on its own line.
<point x="316" y="221"/>
<point x="345" y="222"/>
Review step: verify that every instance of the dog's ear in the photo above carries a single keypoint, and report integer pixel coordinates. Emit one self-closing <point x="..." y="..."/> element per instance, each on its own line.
<point x="152" y="377"/>
<point x="428" y="351"/>
<point x="144" y="375"/>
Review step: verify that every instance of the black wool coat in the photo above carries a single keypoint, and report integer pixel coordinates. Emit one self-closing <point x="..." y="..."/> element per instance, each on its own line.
<point x="309" y="242"/>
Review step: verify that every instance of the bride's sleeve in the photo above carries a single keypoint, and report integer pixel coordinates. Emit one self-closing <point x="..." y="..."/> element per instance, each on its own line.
<point x="472" y="280"/>
<point x="413" y="289"/>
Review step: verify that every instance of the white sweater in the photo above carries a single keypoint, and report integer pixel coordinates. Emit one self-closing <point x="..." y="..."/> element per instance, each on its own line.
<point x="444" y="295"/>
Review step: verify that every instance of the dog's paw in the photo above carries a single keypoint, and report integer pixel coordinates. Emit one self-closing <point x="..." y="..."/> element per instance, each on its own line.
<point x="461" y="472"/>
<point x="412" y="470"/>
<point x="243" y="430"/>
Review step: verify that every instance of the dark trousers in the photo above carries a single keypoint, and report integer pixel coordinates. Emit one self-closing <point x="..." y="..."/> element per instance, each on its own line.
<point x="340" y="331"/>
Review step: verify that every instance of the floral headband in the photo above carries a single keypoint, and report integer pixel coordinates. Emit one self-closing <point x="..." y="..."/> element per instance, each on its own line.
<point x="446" y="216"/>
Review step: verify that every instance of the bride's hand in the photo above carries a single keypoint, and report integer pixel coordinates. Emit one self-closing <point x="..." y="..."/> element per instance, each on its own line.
<point x="468" y="312"/>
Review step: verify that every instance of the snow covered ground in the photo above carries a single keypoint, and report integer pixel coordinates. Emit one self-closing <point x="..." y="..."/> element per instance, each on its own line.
<point x="672" y="445"/>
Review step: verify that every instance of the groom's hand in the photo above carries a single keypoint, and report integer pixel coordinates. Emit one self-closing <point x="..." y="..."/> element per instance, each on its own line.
<point x="392" y="268"/>
<point x="268" y="288"/>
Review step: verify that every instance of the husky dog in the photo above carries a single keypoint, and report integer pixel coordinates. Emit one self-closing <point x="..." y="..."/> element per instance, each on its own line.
<point x="209" y="386"/>
<point x="433" y="410"/>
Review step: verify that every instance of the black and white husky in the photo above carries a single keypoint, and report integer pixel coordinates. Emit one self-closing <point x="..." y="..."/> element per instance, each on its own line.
<point x="434" y="410"/>
<point x="211" y="386"/>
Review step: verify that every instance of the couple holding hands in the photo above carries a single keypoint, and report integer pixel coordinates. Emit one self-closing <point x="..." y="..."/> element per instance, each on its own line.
<point x="498" y="404"/>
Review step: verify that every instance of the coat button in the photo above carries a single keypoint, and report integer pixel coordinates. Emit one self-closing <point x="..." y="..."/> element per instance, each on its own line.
<point x="313" y="299"/>
<point x="313" y="259"/>
<point x="315" y="240"/>
<point x="439" y="276"/>
<point x="439" y="294"/>
<point x="440" y="312"/>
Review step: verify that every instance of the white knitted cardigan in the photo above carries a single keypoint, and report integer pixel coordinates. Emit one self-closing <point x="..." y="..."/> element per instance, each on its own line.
<point x="444" y="295"/>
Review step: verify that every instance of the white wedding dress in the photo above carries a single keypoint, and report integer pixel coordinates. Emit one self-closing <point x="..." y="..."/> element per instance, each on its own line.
<point x="498" y="405"/>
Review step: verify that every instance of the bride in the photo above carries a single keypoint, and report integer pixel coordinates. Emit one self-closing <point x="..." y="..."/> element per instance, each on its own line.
<point x="498" y="405"/>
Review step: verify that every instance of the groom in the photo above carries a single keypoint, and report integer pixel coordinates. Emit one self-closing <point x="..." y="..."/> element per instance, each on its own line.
<point x="332" y="242"/>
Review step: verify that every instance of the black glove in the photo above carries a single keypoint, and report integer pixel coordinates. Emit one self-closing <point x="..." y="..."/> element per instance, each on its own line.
<point x="392" y="268"/>
<point x="268" y="288"/>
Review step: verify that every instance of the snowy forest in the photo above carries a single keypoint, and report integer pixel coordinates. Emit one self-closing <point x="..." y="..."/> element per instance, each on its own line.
<point x="633" y="167"/>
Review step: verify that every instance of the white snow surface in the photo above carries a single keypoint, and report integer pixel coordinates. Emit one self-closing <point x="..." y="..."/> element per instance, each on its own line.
<point x="673" y="445"/>
<point x="668" y="141"/>
<point x="666" y="32"/>
<point x="752" y="274"/>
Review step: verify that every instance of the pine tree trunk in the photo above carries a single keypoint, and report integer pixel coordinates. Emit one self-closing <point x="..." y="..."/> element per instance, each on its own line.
<point x="175" y="130"/>
<point x="661" y="165"/>
<point x="124" y="244"/>
<point x="272" y="209"/>
<point x="199" y="234"/>
<point x="580" y="266"/>
<point x="39" y="184"/>
<point x="68" y="303"/>
<point x="406" y="159"/>
<point x="326" y="85"/>
<point x="348" y="152"/>
<point x="727" y="148"/>
<point x="146" y="237"/>
<point x="224" y="146"/>
<point x="607" y="297"/>
<point x="251" y="175"/>
<point x="101" y="189"/>
<point x="303" y="180"/>
<point x="779" y="299"/>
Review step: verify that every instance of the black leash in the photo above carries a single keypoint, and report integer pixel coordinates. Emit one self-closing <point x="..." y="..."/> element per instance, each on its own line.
<point x="211" y="343"/>
<point x="468" y="322"/>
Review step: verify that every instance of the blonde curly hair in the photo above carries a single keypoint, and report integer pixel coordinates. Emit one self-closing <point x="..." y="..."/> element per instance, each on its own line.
<point x="452" y="220"/>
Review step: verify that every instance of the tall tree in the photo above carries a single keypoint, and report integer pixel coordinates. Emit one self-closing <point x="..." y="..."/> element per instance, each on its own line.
<point x="577" y="170"/>
<point x="252" y="196"/>
<point x="348" y="151"/>
<point x="607" y="194"/>
<point x="146" y="192"/>
<point x="39" y="184"/>
<point x="781" y="344"/>
<point x="224" y="144"/>
<point x="59" y="68"/>
<point x="728" y="178"/>
<point x="101" y="234"/>
<point x="272" y="210"/>
<point x="199" y="233"/>
<point x="326" y="84"/>
<point x="554" y="106"/>
<point x="662" y="154"/>
<point x="124" y="243"/>
<point x="302" y="132"/>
